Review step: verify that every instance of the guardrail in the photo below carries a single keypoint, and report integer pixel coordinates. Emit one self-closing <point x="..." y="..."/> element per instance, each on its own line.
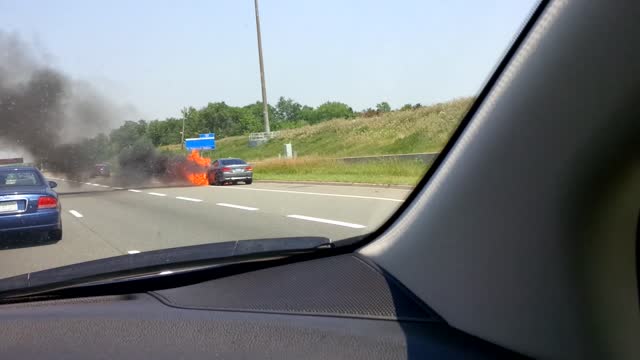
<point x="427" y="158"/>
<point x="256" y="139"/>
<point x="263" y="136"/>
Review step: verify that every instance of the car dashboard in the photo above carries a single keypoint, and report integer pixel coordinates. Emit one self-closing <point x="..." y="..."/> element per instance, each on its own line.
<point x="339" y="307"/>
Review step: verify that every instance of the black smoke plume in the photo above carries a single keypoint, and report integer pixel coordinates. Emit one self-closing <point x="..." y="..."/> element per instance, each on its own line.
<point x="141" y="162"/>
<point x="45" y="114"/>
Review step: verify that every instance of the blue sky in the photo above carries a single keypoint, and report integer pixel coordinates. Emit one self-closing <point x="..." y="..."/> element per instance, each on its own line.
<point x="161" y="56"/>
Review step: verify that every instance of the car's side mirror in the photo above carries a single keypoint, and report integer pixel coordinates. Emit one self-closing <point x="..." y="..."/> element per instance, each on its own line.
<point x="52" y="184"/>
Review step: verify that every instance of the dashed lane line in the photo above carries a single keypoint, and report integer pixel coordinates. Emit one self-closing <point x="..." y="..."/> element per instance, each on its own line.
<point x="327" y="221"/>
<point x="238" y="206"/>
<point x="188" y="199"/>
<point x="75" y="213"/>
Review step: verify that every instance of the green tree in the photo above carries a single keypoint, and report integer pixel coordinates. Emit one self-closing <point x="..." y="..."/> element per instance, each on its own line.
<point x="192" y="122"/>
<point x="287" y="110"/>
<point x="383" y="107"/>
<point x="127" y="134"/>
<point x="165" y="132"/>
<point x="406" y="107"/>
<point x="331" y="110"/>
<point x="217" y="118"/>
<point x="307" y="114"/>
<point x="248" y="122"/>
<point x="257" y="110"/>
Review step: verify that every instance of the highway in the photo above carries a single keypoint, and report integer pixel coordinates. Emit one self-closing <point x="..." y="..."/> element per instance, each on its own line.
<point x="102" y="220"/>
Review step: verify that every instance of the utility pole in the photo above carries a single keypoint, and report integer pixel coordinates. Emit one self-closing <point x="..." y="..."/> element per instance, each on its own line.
<point x="182" y="141"/>
<point x="265" y="109"/>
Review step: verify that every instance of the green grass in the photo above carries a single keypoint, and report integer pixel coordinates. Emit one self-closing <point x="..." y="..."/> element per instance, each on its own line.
<point x="329" y="170"/>
<point x="426" y="129"/>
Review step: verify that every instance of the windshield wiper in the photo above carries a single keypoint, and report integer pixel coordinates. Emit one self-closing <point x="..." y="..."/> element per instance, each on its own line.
<point x="156" y="263"/>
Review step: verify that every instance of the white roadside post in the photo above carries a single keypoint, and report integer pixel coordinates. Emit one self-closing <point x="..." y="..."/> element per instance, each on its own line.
<point x="288" y="151"/>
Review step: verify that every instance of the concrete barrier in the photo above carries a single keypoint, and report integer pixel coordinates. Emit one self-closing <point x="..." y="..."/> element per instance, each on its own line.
<point x="427" y="158"/>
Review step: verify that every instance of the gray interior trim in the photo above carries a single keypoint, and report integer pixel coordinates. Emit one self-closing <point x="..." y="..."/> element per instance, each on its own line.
<point x="525" y="235"/>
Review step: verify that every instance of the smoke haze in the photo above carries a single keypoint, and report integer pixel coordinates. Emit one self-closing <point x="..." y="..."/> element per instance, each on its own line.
<point x="44" y="114"/>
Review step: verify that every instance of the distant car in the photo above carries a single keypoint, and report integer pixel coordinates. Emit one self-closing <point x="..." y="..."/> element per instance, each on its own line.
<point x="28" y="203"/>
<point x="230" y="171"/>
<point x="102" y="170"/>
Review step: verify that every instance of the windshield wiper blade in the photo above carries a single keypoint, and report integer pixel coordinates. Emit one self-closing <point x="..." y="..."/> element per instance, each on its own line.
<point x="130" y="266"/>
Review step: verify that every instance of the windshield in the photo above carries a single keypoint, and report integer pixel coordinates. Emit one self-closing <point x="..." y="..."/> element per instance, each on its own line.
<point x="141" y="112"/>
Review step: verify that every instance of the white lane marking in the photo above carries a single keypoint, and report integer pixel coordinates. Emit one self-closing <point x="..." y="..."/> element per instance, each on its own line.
<point x="88" y="183"/>
<point x="156" y="194"/>
<point x="75" y="213"/>
<point x="311" y="193"/>
<point x="118" y="188"/>
<point x="104" y="186"/>
<point x="237" y="206"/>
<point x="96" y="184"/>
<point x="327" y="221"/>
<point x="168" y="272"/>
<point x="134" y="190"/>
<point x="188" y="199"/>
<point x="133" y="252"/>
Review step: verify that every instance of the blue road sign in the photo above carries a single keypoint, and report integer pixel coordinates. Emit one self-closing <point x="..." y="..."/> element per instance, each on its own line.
<point x="207" y="142"/>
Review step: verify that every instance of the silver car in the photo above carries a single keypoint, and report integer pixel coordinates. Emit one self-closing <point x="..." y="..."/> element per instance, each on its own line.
<point x="230" y="170"/>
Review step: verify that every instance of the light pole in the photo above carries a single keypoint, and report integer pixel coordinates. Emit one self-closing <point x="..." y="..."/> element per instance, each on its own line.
<point x="182" y="133"/>
<point x="265" y="106"/>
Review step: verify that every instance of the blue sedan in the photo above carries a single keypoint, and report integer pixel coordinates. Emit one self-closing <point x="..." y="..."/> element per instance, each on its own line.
<point x="28" y="203"/>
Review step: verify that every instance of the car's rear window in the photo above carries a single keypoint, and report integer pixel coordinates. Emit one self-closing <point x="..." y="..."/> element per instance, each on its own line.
<point x="232" y="162"/>
<point x="19" y="178"/>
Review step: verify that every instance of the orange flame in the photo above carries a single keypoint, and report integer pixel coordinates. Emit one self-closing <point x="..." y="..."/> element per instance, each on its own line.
<point x="198" y="178"/>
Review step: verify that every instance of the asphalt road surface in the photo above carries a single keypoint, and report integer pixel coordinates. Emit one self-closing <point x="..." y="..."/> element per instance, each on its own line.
<point x="102" y="220"/>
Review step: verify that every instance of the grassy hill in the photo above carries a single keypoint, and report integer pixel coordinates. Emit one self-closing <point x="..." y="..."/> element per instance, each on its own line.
<point x="426" y="129"/>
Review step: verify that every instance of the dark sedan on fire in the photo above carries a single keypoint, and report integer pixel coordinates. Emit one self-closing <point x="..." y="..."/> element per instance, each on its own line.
<point x="230" y="171"/>
<point x="28" y="203"/>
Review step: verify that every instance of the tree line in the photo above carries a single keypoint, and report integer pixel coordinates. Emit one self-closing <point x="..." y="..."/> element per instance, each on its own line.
<point x="225" y="120"/>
